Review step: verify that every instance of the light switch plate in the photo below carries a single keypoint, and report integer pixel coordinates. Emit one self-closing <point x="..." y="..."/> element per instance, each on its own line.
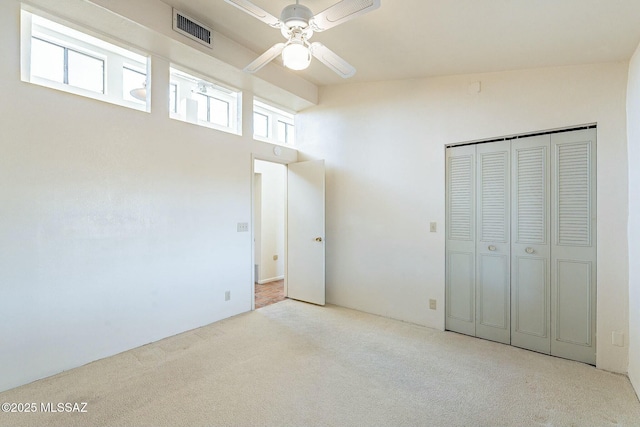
<point x="243" y="226"/>
<point x="433" y="227"/>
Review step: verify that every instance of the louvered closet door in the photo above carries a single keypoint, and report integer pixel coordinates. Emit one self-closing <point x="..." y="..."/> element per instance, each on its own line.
<point x="530" y="246"/>
<point x="573" y="250"/>
<point x="493" y="249"/>
<point x="460" y="241"/>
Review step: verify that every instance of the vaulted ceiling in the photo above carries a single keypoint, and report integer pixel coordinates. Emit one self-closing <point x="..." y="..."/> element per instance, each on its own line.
<point x="419" y="38"/>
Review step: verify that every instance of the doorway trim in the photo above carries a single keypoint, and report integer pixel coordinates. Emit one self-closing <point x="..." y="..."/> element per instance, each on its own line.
<point x="285" y="163"/>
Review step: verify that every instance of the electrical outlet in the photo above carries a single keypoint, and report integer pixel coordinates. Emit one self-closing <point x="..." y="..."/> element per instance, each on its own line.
<point x="243" y="226"/>
<point x="433" y="227"/>
<point x="275" y="257"/>
<point x="432" y="304"/>
<point x="227" y="295"/>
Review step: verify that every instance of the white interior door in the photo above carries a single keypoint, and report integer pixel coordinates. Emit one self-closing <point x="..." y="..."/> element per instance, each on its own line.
<point x="533" y="283"/>
<point x="530" y="248"/>
<point x="305" y="232"/>
<point x="461" y="240"/>
<point x="493" y="244"/>
<point x="573" y="245"/>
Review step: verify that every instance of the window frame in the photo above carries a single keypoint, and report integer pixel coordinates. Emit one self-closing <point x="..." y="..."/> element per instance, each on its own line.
<point x="268" y="126"/>
<point x="275" y="116"/>
<point x="191" y="85"/>
<point x="285" y="138"/>
<point x="210" y="98"/>
<point x="38" y="25"/>
<point x="65" y="63"/>
<point x="173" y="109"/>
<point x="133" y="69"/>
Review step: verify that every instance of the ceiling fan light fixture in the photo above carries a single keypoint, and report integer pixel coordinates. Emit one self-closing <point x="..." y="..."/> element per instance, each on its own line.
<point x="139" y="93"/>
<point x="296" y="15"/>
<point x="296" y="56"/>
<point x="297" y="24"/>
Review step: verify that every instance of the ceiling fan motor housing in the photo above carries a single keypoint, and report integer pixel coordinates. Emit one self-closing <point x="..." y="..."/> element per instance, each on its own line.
<point x="296" y="15"/>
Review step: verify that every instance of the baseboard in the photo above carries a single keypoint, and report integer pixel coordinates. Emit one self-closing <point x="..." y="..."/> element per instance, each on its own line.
<point x="635" y="381"/>
<point x="272" y="279"/>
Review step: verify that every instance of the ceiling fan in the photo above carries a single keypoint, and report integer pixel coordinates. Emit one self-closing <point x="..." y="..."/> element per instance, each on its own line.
<point x="297" y="24"/>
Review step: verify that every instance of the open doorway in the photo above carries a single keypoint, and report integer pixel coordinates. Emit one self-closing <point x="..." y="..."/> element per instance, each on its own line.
<point x="269" y="232"/>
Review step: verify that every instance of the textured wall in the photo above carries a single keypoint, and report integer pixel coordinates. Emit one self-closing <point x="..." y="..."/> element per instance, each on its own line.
<point x="117" y="227"/>
<point x="384" y="145"/>
<point x="633" y="112"/>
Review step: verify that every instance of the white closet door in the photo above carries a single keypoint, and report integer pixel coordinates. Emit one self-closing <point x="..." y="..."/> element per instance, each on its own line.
<point x="460" y="240"/>
<point x="493" y="249"/>
<point x="530" y="247"/>
<point x="573" y="250"/>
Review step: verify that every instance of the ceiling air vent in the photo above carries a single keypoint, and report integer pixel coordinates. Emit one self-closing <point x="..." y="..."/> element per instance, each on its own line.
<point x="191" y="28"/>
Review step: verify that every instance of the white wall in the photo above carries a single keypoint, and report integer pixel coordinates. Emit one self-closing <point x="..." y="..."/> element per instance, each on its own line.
<point x="272" y="220"/>
<point x="384" y="149"/>
<point x="117" y="227"/>
<point x="633" y="123"/>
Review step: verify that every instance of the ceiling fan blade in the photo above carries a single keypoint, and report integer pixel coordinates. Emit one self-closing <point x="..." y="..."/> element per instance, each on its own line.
<point x="265" y="58"/>
<point x="331" y="60"/>
<point x="342" y="12"/>
<point x="255" y="11"/>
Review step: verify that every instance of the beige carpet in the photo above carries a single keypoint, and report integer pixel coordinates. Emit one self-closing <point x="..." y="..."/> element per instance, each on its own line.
<point x="295" y="364"/>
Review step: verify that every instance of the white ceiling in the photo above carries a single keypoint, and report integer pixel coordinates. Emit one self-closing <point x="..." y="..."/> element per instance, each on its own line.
<point x="420" y="38"/>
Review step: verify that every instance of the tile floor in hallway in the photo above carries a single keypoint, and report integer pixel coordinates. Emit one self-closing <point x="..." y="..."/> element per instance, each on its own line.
<point x="269" y="293"/>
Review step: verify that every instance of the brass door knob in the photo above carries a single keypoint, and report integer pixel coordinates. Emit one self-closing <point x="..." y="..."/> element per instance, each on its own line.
<point x="318" y="239"/>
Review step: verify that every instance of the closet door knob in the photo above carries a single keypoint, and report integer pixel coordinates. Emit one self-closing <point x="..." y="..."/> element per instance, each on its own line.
<point x="492" y="248"/>
<point x="318" y="239"/>
<point x="529" y="250"/>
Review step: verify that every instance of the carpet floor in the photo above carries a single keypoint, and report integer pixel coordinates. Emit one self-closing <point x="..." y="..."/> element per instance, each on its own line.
<point x="296" y="364"/>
